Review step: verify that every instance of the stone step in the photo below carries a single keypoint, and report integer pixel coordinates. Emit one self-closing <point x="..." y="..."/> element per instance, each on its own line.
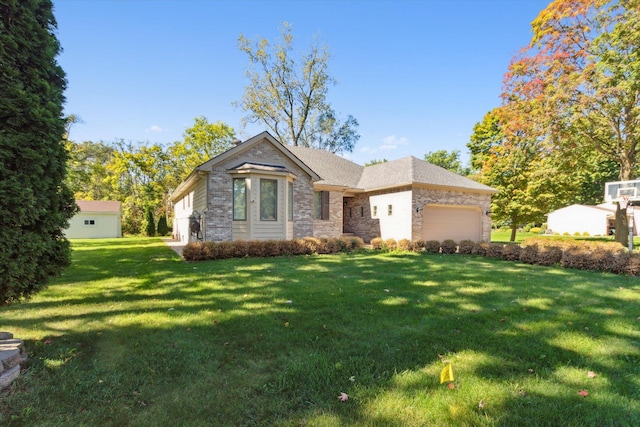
<point x="9" y="344"/>
<point x="9" y="359"/>
<point x="7" y="377"/>
<point x="12" y="355"/>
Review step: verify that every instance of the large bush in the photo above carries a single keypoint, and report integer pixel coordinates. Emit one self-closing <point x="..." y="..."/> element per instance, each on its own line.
<point x="35" y="202"/>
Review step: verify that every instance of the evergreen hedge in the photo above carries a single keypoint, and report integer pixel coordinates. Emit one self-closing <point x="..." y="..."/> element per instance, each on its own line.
<point x="35" y="203"/>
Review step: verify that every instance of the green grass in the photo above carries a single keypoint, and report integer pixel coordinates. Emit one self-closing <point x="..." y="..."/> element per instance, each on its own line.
<point x="132" y="335"/>
<point x="502" y="236"/>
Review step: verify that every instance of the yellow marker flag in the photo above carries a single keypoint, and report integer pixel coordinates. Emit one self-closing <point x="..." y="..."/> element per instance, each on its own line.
<point x="446" y="374"/>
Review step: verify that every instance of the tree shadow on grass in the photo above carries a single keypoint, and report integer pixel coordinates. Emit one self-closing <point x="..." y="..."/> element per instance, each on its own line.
<point x="274" y="341"/>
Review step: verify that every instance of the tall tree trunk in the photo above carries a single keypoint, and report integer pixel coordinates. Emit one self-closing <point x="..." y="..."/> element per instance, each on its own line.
<point x="622" y="226"/>
<point x="514" y="226"/>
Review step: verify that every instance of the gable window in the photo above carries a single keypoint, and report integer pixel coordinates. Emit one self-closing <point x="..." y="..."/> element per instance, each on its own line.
<point x="90" y="222"/>
<point x="375" y="211"/>
<point x="239" y="199"/>
<point x="389" y="210"/>
<point x="321" y="205"/>
<point x="268" y="200"/>
<point x="290" y="201"/>
<point x="362" y="211"/>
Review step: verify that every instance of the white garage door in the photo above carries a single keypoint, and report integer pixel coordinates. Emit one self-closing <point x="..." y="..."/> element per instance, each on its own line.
<point x="451" y="222"/>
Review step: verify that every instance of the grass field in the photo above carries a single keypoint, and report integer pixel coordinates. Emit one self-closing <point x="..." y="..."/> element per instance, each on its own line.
<point x="133" y="335"/>
<point x="501" y="236"/>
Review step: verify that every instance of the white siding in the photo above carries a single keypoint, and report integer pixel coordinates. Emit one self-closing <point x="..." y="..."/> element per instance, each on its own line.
<point x="579" y="219"/>
<point x="99" y="225"/>
<point x="182" y="211"/>
<point x="398" y="224"/>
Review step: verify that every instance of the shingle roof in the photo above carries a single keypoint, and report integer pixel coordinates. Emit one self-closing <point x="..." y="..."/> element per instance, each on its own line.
<point x="333" y="169"/>
<point x="336" y="170"/>
<point x="411" y="170"/>
<point x="98" y="205"/>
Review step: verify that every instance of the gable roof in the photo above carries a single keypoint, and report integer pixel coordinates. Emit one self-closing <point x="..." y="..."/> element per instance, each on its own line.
<point x="411" y="170"/>
<point x="204" y="168"/>
<point x="98" y="206"/>
<point x="326" y="168"/>
<point x="333" y="169"/>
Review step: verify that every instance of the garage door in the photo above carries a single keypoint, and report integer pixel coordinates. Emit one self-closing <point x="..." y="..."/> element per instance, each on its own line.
<point x="451" y="222"/>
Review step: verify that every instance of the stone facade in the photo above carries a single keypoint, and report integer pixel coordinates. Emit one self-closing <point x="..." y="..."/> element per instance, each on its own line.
<point x="219" y="215"/>
<point x="333" y="226"/>
<point x="357" y="218"/>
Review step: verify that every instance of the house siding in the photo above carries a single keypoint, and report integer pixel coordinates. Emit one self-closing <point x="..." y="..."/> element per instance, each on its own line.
<point x="398" y="223"/>
<point x="105" y="225"/>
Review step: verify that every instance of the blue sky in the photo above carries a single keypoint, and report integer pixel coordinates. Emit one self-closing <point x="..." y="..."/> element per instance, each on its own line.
<point x="417" y="75"/>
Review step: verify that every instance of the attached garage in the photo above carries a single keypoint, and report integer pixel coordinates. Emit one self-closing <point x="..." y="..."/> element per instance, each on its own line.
<point x="441" y="222"/>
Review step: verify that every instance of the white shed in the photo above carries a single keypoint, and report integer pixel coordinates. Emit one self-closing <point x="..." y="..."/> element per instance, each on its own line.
<point x="96" y="219"/>
<point x="594" y="220"/>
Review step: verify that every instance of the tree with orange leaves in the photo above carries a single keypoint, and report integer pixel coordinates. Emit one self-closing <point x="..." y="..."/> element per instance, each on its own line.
<point x="577" y="86"/>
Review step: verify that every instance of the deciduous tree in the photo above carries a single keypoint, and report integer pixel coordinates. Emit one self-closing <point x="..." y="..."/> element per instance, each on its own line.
<point x="448" y="160"/>
<point x="202" y="141"/>
<point x="35" y="203"/>
<point x="581" y="74"/>
<point x="290" y="97"/>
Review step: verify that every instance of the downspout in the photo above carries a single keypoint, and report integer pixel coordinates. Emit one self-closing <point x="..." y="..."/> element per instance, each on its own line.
<point x="205" y="211"/>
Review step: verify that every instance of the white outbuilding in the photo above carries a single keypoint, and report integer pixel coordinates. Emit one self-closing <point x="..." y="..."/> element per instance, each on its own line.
<point x="96" y="219"/>
<point x="594" y="220"/>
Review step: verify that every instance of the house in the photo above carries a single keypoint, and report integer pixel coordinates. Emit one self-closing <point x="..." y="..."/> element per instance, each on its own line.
<point x="261" y="189"/>
<point x="96" y="219"/>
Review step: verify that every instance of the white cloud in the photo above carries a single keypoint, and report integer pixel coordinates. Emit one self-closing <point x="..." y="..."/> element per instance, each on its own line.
<point x="156" y="129"/>
<point x="394" y="141"/>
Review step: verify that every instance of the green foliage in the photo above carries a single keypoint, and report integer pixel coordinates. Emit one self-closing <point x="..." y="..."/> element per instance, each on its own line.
<point x="579" y="79"/>
<point x="163" y="228"/>
<point x="35" y="203"/>
<point x="202" y="142"/>
<point x="290" y="97"/>
<point x="375" y="162"/>
<point x="447" y="160"/>
<point x="295" y="332"/>
<point x="513" y="160"/>
<point x="149" y="222"/>
<point x="88" y="170"/>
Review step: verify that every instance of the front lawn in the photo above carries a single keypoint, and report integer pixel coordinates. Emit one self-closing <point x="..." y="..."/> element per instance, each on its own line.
<point x="133" y="335"/>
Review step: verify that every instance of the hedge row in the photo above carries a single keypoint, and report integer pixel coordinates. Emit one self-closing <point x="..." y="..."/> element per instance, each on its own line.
<point x="202" y="251"/>
<point x="593" y="256"/>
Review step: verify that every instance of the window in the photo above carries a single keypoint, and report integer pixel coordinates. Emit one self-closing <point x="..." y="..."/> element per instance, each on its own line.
<point x="375" y="211"/>
<point x="90" y="222"/>
<point x="321" y="205"/>
<point x="268" y="200"/>
<point x="362" y="211"/>
<point x="290" y="201"/>
<point x="239" y="199"/>
<point x="389" y="210"/>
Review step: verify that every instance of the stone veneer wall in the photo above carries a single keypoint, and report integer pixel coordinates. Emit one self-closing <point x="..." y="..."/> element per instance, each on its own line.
<point x="219" y="216"/>
<point x="333" y="226"/>
<point x="426" y="196"/>
<point x="12" y="355"/>
<point x="358" y="220"/>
